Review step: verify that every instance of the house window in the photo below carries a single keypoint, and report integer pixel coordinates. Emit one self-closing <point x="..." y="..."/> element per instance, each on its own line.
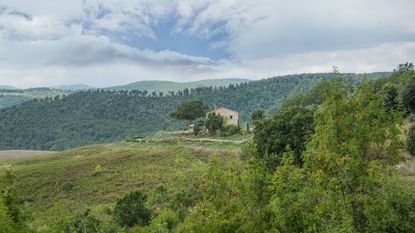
<point x="230" y="117"/>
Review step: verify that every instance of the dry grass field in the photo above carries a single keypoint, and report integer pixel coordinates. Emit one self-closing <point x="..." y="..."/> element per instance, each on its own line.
<point x="17" y="154"/>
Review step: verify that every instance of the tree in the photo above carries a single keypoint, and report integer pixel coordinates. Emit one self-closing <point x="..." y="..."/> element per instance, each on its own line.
<point x="213" y="122"/>
<point x="409" y="97"/>
<point x="405" y="68"/>
<point x="353" y="132"/>
<point x="131" y="210"/>
<point x="257" y="115"/>
<point x="391" y="97"/>
<point x="190" y="110"/>
<point x="197" y="127"/>
<point x="291" y="127"/>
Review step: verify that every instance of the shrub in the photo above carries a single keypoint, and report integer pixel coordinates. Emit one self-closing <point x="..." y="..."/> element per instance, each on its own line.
<point x="97" y="170"/>
<point x="86" y="223"/>
<point x="229" y="130"/>
<point x="165" y="221"/>
<point x="131" y="210"/>
<point x="198" y="127"/>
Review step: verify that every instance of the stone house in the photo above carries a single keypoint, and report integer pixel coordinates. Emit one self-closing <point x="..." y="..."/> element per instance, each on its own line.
<point x="231" y="117"/>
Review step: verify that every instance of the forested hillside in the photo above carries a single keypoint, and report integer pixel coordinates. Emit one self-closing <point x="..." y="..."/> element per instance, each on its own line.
<point x="104" y="116"/>
<point x="11" y="97"/>
<point x="166" y="86"/>
<point x="331" y="159"/>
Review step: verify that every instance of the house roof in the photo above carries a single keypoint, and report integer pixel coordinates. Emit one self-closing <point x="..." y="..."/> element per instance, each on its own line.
<point x="223" y="108"/>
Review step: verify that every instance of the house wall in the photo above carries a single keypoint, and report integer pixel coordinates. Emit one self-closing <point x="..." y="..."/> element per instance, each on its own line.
<point x="232" y="117"/>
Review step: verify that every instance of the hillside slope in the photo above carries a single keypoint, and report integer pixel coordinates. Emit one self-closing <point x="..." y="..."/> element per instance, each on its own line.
<point x="105" y="116"/>
<point x="69" y="181"/>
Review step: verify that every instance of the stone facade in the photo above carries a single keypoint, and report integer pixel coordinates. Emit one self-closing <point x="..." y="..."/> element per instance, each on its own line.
<point x="231" y="117"/>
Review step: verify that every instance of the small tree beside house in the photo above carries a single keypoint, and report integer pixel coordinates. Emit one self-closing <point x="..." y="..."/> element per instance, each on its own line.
<point x="190" y="110"/>
<point x="213" y="123"/>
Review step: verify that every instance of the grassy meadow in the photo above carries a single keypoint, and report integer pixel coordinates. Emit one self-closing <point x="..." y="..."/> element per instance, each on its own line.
<point x="95" y="176"/>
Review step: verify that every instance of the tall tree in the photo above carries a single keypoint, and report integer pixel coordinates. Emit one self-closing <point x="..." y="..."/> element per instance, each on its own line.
<point x="190" y="110"/>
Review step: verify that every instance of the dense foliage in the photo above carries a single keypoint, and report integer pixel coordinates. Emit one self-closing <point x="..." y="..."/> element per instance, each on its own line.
<point x="290" y="127"/>
<point x="131" y="210"/>
<point x="213" y="123"/>
<point x="83" y="118"/>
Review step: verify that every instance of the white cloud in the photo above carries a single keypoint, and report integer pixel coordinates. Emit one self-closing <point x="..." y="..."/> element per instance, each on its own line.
<point x="52" y="42"/>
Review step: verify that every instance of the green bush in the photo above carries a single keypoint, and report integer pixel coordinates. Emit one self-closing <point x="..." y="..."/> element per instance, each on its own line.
<point x="164" y="222"/>
<point x="213" y="123"/>
<point x="131" y="210"/>
<point x="86" y="223"/>
<point x="229" y="130"/>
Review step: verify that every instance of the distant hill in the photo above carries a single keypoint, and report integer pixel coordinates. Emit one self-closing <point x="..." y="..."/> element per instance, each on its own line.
<point x="74" y="87"/>
<point x="12" y="97"/>
<point x="166" y="86"/>
<point x="8" y="87"/>
<point x="101" y="116"/>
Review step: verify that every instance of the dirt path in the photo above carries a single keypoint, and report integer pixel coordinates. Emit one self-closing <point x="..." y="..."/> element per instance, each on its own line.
<point x="214" y="140"/>
<point x="17" y="154"/>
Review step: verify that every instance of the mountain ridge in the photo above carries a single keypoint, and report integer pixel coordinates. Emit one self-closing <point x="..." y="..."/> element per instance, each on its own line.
<point x="166" y="86"/>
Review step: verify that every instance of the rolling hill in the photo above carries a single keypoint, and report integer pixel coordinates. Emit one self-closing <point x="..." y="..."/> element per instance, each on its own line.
<point x="58" y="183"/>
<point x="102" y="116"/>
<point x="8" y="87"/>
<point x="12" y="97"/>
<point x="74" y="87"/>
<point x="166" y="86"/>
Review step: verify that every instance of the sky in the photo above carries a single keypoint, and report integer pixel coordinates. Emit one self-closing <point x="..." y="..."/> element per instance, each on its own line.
<point x="112" y="42"/>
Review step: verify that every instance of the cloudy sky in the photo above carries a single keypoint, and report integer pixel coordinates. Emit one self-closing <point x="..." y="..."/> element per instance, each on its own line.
<point x="109" y="42"/>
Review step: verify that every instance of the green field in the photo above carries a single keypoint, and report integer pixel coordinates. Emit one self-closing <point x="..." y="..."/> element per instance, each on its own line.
<point x="69" y="181"/>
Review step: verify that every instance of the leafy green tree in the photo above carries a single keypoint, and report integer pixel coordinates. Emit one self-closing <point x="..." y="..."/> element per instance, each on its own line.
<point x="405" y="68"/>
<point x="213" y="122"/>
<point x="352" y="129"/>
<point x="131" y="210"/>
<point x="257" y="115"/>
<point x="391" y="97"/>
<point x="409" y="96"/>
<point x="291" y="126"/>
<point x="190" y="110"/>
